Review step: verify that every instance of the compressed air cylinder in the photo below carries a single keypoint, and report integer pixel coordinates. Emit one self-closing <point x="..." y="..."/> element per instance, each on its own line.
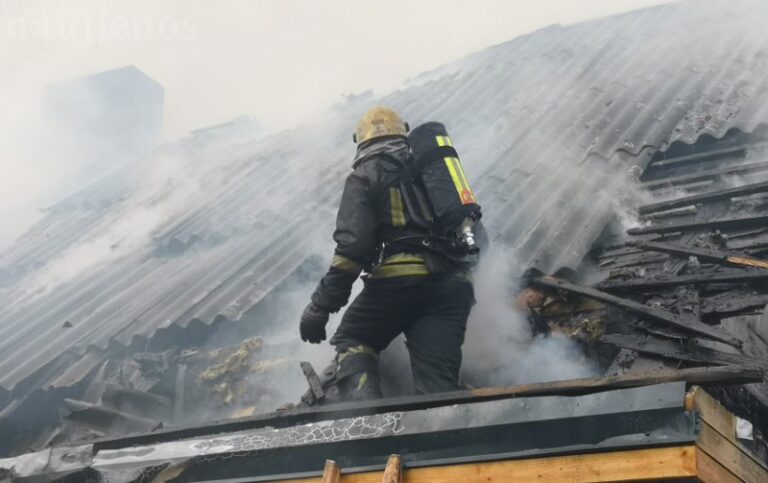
<point x="437" y="166"/>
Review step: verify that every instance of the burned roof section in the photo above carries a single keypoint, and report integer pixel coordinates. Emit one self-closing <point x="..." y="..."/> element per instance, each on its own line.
<point x="687" y="288"/>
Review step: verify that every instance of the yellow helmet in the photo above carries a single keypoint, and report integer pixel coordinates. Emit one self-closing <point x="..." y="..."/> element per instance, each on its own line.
<point x="379" y="122"/>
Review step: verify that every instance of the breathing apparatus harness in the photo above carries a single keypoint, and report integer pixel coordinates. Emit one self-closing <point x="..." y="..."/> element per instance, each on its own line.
<point x="438" y="198"/>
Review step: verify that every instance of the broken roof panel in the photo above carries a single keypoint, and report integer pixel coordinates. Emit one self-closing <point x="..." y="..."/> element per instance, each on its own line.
<point x="548" y="125"/>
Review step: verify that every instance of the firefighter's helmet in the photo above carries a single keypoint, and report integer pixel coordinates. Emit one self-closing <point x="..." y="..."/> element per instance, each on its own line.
<point x="379" y="122"/>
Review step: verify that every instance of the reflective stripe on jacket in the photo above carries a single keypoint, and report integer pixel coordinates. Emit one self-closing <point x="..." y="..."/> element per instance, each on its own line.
<point x="372" y="211"/>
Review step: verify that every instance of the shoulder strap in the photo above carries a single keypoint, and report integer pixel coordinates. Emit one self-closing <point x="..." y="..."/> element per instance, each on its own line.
<point x="415" y="201"/>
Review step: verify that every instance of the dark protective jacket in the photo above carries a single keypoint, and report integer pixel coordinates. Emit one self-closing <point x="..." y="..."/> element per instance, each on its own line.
<point x="373" y="212"/>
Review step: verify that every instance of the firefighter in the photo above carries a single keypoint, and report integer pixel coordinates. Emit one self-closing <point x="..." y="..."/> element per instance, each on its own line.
<point x="410" y="286"/>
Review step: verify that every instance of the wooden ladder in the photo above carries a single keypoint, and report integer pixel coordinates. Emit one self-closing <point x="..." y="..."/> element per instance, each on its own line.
<point x="393" y="473"/>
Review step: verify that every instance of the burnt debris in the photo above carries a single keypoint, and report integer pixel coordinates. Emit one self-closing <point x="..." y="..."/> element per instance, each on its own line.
<point x="688" y="287"/>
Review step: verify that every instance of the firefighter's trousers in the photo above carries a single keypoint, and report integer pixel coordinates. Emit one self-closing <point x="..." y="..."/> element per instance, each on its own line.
<point x="431" y="311"/>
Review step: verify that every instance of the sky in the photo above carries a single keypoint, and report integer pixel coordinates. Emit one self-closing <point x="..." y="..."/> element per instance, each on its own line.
<point x="281" y="62"/>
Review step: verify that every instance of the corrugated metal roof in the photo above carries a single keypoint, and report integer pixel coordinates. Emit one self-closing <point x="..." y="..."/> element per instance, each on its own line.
<point x="547" y="125"/>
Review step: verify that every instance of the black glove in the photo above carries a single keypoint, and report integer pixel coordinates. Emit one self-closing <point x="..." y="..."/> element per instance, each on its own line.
<point x="312" y="326"/>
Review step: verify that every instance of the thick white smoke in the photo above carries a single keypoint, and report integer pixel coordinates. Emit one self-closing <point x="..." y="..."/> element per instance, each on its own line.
<point x="34" y="161"/>
<point x="205" y="57"/>
<point x="500" y="348"/>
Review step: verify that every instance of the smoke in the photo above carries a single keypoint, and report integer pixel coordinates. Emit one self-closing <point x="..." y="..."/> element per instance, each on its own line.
<point x="500" y="348"/>
<point x="31" y="170"/>
<point x="164" y="192"/>
<point x="205" y="57"/>
<point x="50" y="152"/>
<point x="275" y="377"/>
<point x="160" y="188"/>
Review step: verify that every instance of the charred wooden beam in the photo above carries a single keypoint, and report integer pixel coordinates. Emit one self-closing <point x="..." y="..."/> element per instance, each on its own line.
<point x="749" y="244"/>
<point x="658" y="331"/>
<point x="633" y="262"/>
<point x="731" y="304"/>
<point x="722" y="224"/>
<point x="725" y="194"/>
<point x="315" y="393"/>
<point x="688" y="325"/>
<point x="747" y="234"/>
<point x="647" y="284"/>
<point x="131" y="401"/>
<point x="739" y="150"/>
<point x="665" y="215"/>
<point x="680" y="351"/>
<point x="681" y="251"/>
<point x="107" y="420"/>
<point x="708" y="174"/>
<point x="711" y="256"/>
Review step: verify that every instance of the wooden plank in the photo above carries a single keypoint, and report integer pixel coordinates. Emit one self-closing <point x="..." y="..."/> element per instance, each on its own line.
<point x="710" y="471"/>
<point x="745" y="190"/>
<point x="332" y="472"/>
<point x="656" y="315"/>
<point x="729" y="303"/>
<point x="688" y="211"/>
<point x="634" y="465"/>
<point x="682" y="351"/>
<point x="755" y="241"/>
<point x="315" y="392"/>
<point x="666" y="333"/>
<point x="708" y="174"/>
<point x="393" y="473"/>
<point x="698" y="157"/>
<point x="722" y="224"/>
<point x="732" y="457"/>
<point x="636" y="261"/>
<point x="717" y="437"/>
<point x="640" y="284"/>
<point x="743" y="327"/>
<point x="747" y="262"/>
<point x="711" y="412"/>
<point x="713" y="256"/>
<point x="698" y="375"/>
